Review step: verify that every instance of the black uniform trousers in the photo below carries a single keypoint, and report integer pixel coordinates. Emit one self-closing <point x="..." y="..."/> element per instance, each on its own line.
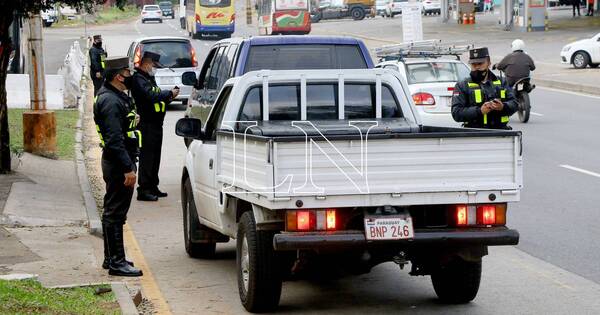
<point x="97" y="83"/>
<point x="150" y="153"/>
<point x="118" y="197"/>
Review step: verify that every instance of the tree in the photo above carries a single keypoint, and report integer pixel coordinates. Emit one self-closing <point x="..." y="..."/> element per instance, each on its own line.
<point x="7" y="15"/>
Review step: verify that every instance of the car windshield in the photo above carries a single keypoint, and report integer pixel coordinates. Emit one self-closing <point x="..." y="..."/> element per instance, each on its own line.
<point x="321" y="102"/>
<point x="175" y="54"/>
<point x="151" y="8"/>
<point x="165" y="5"/>
<point x="309" y="56"/>
<point x="431" y="72"/>
<point x="215" y="3"/>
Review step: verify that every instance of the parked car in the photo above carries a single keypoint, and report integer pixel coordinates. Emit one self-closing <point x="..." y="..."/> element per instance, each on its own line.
<point x="236" y="56"/>
<point x="380" y="7"/>
<point x="177" y="55"/>
<point x="431" y="7"/>
<point x="167" y="9"/>
<point x="394" y="7"/>
<point x="151" y="13"/>
<point x="49" y="17"/>
<point x="432" y="196"/>
<point x="582" y="53"/>
<point x="431" y="83"/>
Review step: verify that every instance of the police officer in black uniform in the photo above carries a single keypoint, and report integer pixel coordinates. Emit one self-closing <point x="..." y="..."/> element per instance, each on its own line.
<point x="97" y="57"/>
<point x="483" y="100"/>
<point x="151" y="102"/>
<point x="115" y="118"/>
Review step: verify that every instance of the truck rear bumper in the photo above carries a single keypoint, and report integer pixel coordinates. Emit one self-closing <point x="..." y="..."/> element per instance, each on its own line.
<point x="354" y="239"/>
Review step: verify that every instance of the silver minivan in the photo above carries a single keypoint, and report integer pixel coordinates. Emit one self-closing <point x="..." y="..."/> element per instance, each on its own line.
<point x="177" y="55"/>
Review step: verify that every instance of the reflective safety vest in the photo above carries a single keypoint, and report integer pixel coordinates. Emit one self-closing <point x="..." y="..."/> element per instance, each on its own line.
<point x="131" y="132"/>
<point x="102" y="59"/>
<point x="158" y="106"/>
<point x="478" y="97"/>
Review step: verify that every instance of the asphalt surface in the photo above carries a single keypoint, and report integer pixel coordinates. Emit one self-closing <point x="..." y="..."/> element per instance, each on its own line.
<point x="554" y="270"/>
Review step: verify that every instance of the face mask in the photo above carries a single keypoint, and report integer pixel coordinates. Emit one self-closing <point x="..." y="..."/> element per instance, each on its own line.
<point x="98" y="44"/>
<point x="128" y="82"/>
<point x="478" y="75"/>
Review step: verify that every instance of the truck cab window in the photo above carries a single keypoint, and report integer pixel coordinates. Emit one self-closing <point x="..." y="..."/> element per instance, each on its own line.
<point x="216" y="116"/>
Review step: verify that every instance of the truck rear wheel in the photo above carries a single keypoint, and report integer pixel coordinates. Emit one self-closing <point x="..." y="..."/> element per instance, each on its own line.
<point x="191" y="226"/>
<point x="259" y="279"/>
<point x="357" y="14"/>
<point x="457" y="282"/>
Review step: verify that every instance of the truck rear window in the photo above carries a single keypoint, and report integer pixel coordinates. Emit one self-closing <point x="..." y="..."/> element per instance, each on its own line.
<point x="321" y="102"/>
<point x="310" y="56"/>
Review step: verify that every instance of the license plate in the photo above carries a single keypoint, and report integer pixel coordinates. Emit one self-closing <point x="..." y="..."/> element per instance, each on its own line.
<point x="379" y="228"/>
<point x="168" y="80"/>
<point x="520" y="87"/>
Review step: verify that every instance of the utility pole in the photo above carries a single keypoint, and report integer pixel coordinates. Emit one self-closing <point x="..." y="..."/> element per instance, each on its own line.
<point x="39" y="125"/>
<point x="248" y="12"/>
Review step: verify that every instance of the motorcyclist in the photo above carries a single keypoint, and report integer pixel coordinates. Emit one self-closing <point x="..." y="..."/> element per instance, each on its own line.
<point x="517" y="64"/>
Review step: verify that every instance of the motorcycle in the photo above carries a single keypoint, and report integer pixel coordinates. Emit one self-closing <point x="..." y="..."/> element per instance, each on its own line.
<point x="522" y="88"/>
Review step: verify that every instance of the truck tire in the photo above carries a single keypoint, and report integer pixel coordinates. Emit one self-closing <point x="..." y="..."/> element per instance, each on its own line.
<point x="192" y="226"/>
<point x="357" y="14"/>
<point x="457" y="282"/>
<point x="259" y="279"/>
<point x="581" y="60"/>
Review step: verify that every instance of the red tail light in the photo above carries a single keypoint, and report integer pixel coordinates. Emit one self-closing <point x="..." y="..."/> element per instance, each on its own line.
<point x="311" y="220"/>
<point x="137" y="57"/>
<point x="477" y="215"/>
<point x="424" y="99"/>
<point x="194" y="59"/>
<point x="450" y="89"/>
<point x="198" y="20"/>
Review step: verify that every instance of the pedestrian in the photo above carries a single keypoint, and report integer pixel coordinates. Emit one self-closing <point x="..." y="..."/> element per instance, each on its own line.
<point x="590" y="8"/>
<point x="482" y="100"/>
<point x="151" y="102"/>
<point x="115" y="118"/>
<point x="487" y="6"/>
<point x="516" y="65"/>
<point x="97" y="57"/>
<point x="576" y="5"/>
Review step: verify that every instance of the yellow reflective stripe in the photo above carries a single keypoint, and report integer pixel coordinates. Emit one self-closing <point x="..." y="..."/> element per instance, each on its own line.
<point x="102" y="64"/>
<point x="473" y="85"/>
<point x="497" y="82"/>
<point x="478" y="97"/>
<point x="503" y="94"/>
<point x="139" y="136"/>
<point x="504" y="119"/>
<point x="485" y="119"/>
<point x="157" y="107"/>
<point x="100" y="135"/>
<point x="95" y="98"/>
<point x="163" y="106"/>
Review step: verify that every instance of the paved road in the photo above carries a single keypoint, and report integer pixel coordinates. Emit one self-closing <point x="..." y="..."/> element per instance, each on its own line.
<point x="554" y="270"/>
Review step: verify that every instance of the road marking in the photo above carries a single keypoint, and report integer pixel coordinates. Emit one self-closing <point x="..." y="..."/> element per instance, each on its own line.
<point x="149" y="285"/>
<point x="580" y="170"/>
<point x="536" y="114"/>
<point x="568" y="92"/>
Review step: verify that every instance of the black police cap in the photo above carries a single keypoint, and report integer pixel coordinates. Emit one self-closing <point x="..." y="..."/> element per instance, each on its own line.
<point x="478" y="55"/>
<point x="116" y="63"/>
<point x="96" y="37"/>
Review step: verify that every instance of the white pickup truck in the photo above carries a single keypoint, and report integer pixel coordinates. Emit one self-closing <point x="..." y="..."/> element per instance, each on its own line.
<point x="317" y="169"/>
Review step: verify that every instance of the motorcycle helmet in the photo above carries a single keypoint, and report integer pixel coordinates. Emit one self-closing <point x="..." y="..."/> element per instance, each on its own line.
<point x="518" y="44"/>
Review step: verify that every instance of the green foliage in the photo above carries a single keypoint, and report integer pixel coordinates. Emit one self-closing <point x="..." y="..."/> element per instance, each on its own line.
<point x="26" y="7"/>
<point x="29" y="297"/>
<point x="66" y="123"/>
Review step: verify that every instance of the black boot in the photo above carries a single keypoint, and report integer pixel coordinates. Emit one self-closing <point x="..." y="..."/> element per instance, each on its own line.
<point x="106" y="261"/>
<point x="117" y="265"/>
<point x="159" y="193"/>
<point x="144" y="195"/>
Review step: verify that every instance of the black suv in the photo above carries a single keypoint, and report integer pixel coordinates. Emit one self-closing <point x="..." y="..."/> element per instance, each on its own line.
<point x="167" y="9"/>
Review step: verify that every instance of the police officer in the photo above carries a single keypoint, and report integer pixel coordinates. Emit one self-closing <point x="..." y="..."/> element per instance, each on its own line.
<point x="151" y="102"/>
<point x="97" y="57"/>
<point x="115" y="118"/>
<point x="482" y="100"/>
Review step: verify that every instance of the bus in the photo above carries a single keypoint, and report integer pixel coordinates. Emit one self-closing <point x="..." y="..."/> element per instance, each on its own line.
<point x="210" y="17"/>
<point x="283" y="17"/>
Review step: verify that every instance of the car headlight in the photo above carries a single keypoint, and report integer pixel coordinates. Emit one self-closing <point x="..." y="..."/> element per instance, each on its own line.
<point x="566" y="48"/>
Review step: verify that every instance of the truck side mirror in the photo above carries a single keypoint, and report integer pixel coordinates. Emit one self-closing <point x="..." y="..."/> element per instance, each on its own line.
<point x="189" y="78"/>
<point x="189" y="128"/>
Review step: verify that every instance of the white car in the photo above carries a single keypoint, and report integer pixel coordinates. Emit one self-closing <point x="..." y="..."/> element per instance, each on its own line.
<point x="380" y="7"/>
<point x="582" y="53"/>
<point x="431" y="83"/>
<point x="394" y="7"/>
<point x="431" y="7"/>
<point x="151" y="13"/>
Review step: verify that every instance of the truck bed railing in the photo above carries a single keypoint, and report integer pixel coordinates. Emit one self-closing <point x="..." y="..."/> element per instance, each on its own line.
<point x="420" y="49"/>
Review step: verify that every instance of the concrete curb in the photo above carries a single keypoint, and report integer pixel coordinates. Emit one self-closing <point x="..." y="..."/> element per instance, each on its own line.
<point x="94" y="222"/>
<point x="573" y="87"/>
<point x="125" y="302"/>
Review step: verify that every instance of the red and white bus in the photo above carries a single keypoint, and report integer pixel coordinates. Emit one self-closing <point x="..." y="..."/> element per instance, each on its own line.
<point x="283" y="17"/>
